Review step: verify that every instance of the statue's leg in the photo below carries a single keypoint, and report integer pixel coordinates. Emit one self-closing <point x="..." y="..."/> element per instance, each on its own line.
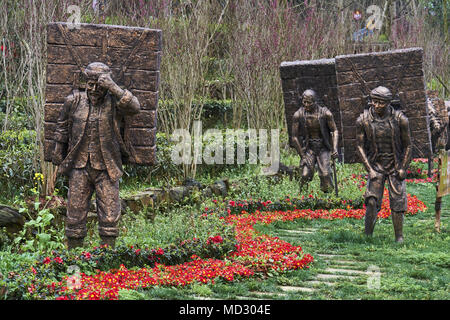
<point x="373" y="198"/>
<point x="397" y="220"/>
<point x="324" y="171"/>
<point x="371" y="216"/>
<point x="398" y="203"/>
<point x="307" y="169"/>
<point x="78" y="203"/>
<point x="108" y="207"/>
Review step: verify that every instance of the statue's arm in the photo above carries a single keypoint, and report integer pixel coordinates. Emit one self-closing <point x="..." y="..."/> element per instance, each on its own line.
<point x="360" y="139"/>
<point x="406" y="143"/>
<point x="128" y="104"/>
<point x="61" y="136"/>
<point x="295" y="132"/>
<point x="334" y="133"/>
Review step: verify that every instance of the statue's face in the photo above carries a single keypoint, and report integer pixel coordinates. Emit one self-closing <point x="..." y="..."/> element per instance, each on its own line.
<point x="308" y="102"/>
<point x="95" y="92"/>
<point x="379" y="106"/>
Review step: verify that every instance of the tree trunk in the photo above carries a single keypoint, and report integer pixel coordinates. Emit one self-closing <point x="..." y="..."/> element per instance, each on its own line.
<point x="444" y="17"/>
<point x="387" y="12"/>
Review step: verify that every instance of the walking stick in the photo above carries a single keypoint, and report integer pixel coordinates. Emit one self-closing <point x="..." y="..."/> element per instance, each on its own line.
<point x="438" y="202"/>
<point x="336" y="191"/>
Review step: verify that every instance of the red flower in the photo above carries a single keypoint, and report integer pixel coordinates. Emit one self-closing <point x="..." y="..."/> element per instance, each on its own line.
<point x="46" y="260"/>
<point x="87" y="255"/>
<point x="159" y="251"/>
<point x="216" y="239"/>
<point x="58" y="260"/>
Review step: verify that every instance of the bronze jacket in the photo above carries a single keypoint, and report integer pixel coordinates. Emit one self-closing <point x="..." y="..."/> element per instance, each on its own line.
<point x="72" y="124"/>
<point x="401" y="137"/>
<point x="325" y="118"/>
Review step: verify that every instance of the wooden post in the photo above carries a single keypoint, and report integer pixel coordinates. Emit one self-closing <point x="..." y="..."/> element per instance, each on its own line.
<point x="430" y="165"/>
<point x="438" y="202"/>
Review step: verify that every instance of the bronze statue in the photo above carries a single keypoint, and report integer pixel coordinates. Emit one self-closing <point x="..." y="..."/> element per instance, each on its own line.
<point x="384" y="145"/>
<point x="438" y="125"/>
<point x="89" y="149"/>
<point x="315" y="137"/>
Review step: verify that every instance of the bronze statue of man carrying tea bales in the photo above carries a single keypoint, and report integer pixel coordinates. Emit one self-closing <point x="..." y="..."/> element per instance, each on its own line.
<point x="315" y="137"/>
<point x="384" y="146"/>
<point x="89" y="149"/>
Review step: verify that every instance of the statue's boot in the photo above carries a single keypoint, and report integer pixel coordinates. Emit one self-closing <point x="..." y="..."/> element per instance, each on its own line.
<point x="73" y="243"/>
<point x="109" y="241"/>
<point x="397" y="220"/>
<point x="326" y="184"/>
<point x="303" y="183"/>
<point x="371" y="217"/>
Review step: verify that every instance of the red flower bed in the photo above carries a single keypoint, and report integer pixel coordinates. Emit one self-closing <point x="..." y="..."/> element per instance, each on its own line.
<point x="255" y="253"/>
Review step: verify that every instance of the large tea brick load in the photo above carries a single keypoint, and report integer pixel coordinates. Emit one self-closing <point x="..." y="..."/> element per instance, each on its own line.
<point x="133" y="54"/>
<point x="401" y="71"/>
<point x="319" y="75"/>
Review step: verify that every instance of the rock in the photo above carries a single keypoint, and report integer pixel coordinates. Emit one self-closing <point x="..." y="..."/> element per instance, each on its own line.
<point x="177" y="194"/>
<point x="140" y="201"/>
<point x="11" y="219"/>
<point x="220" y="187"/>
<point x="192" y="183"/>
<point x="207" y="192"/>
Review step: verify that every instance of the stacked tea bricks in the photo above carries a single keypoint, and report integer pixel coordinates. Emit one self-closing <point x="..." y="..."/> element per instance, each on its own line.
<point x="355" y="76"/>
<point x="401" y="71"/>
<point x="319" y="75"/>
<point x="134" y="56"/>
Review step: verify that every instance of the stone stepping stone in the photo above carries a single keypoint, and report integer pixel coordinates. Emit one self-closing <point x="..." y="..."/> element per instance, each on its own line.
<point x="203" y="298"/>
<point x="316" y="282"/>
<point x="260" y="293"/>
<point x="296" y="231"/>
<point x="296" y="289"/>
<point x="247" y="298"/>
<point x="334" y="276"/>
<point x="347" y="271"/>
<point x="345" y="262"/>
<point x="328" y="255"/>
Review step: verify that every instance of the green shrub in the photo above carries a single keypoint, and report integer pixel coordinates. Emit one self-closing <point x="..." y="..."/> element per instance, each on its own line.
<point x="17" y="151"/>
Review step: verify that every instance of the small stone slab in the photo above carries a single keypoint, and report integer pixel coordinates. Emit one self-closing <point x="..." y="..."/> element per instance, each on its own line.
<point x="296" y="231"/>
<point x="334" y="276"/>
<point x="260" y="293"/>
<point x="295" y="289"/>
<point x="352" y="262"/>
<point x="347" y="271"/>
<point x="316" y="282"/>
<point x="326" y="255"/>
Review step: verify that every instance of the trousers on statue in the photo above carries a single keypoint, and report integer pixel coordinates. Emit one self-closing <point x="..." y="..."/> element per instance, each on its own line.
<point x="82" y="184"/>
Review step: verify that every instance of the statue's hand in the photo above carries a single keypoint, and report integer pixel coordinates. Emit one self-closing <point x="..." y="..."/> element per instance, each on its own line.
<point x="401" y="173"/>
<point x="106" y="81"/>
<point x="372" y="174"/>
<point x="335" y="155"/>
<point x="58" y="154"/>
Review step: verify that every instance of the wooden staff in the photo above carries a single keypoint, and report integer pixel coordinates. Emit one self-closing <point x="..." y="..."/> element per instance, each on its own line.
<point x="438" y="202"/>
